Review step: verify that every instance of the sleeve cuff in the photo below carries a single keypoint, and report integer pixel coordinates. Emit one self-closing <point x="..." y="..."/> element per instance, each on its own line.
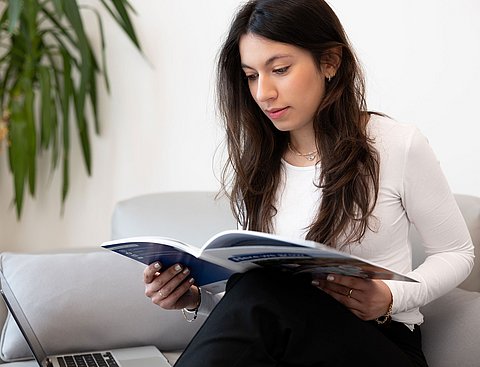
<point x="209" y="301"/>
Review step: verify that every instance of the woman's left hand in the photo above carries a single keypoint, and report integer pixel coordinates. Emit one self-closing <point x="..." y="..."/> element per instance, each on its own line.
<point x="366" y="298"/>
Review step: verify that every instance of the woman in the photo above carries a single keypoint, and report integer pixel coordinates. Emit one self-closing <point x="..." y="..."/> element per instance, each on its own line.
<point x="309" y="161"/>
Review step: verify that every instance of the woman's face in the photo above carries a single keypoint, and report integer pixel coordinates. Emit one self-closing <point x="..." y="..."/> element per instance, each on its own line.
<point x="284" y="81"/>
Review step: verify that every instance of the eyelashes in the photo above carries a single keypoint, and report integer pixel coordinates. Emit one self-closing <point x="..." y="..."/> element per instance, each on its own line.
<point x="277" y="71"/>
<point x="282" y="70"/>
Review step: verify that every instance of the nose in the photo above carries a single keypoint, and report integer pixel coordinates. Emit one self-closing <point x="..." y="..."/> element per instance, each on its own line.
<point x="266" y="89"/>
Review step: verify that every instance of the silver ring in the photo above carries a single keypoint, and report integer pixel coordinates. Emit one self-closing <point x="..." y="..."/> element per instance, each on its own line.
<point x="160" y="294"/>
<point x="349" y="294"/>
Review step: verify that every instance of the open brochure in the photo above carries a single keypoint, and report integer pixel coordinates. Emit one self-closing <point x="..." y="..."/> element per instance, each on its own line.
<point x="236" y="251"/>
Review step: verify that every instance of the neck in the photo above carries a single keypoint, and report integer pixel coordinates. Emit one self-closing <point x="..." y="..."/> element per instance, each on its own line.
<point x="302" y="150"/>
<point x="303" y="143"/>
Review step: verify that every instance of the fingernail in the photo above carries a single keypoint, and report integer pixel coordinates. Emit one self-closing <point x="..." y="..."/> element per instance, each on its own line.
<point x="330" y="278"/>
<point x="186" y="271"/>
<point x="157" y="265"/>
<point x="178" y="267"/>
<point x="191" y="280"/>
<point x="315" y="282"/>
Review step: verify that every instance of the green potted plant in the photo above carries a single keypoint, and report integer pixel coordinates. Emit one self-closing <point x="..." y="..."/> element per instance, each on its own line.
<point x="48" y="73"/>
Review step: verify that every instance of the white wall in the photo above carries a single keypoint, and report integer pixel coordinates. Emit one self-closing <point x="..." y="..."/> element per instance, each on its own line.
<point x="423" y="66"/>
<point x="159" y="130"/>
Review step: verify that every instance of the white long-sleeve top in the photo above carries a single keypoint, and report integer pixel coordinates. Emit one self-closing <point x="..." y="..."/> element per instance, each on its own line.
<point x="413" y="190"/>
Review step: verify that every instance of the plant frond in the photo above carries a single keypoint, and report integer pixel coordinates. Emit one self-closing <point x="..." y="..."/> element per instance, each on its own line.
<point x="48" y="72"/>
<point x="14" y="11"/>
<point x="120" y="14"/>
<point x="102" y="44"/>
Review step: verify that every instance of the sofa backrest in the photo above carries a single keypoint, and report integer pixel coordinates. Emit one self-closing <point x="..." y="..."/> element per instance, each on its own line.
<point x="190" y="216"/>
<point x="193" y="217"/>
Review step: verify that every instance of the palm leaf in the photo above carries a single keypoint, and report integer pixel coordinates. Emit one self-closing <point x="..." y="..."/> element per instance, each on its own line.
<point x="14" y="11"/>
<point x="65" y="97"/>
<point x="120" y="14"/>
<point x="31" y="133"/>
<point x="102" y="45"/>
<point x="43" y="45"/>
<point x="23" y="139"/>
<point x="58" y="6"/>
<point x="46" y="127"/>
<point x="16" y="150"/>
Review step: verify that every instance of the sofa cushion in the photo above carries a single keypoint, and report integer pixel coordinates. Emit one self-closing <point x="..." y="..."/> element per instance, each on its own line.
<point x="451" y="329"/>
<point x="87" y="301"/>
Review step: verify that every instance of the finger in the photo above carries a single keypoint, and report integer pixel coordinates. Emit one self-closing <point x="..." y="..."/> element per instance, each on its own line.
<point x="151" y="271"/>
<point x="349" y="282"/>
<point x="340" y="297"/>
<point x="343" y="291"/>
<point x="173" y="299"/>
<point x="167" y="286"/>
<point x="184" y="295"/>
<point x="336" y="288"/>
<point x="162" y="279"/>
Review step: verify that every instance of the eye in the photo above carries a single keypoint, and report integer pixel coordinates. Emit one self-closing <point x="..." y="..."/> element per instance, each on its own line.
<point x="251" y="77"/>
<point x="281" y="70"/>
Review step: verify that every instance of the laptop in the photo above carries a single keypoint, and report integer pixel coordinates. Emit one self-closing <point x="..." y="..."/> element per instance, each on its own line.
<point x="148" y="356"/>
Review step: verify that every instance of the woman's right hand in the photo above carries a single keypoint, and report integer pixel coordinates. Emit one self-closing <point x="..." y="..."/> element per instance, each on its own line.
<point x="171" y="288"/>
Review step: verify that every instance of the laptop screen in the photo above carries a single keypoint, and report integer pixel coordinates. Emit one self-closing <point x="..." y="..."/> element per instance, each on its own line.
<point x="22" y="322"/>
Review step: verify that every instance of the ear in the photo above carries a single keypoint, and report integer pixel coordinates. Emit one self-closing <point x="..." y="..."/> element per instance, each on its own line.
<point x="331" y="60"/>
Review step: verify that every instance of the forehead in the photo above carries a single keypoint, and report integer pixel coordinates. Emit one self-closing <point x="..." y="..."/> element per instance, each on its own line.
<point x="257" y="51"/>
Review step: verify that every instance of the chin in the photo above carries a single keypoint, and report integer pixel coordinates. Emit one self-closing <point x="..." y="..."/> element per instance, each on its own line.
<point x="282" y="127"/>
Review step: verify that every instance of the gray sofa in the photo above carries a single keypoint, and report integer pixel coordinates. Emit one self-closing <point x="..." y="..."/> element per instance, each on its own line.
<point x="92" y="299"/>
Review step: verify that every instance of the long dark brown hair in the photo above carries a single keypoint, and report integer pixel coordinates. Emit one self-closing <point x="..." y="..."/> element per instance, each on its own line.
<point x="350" y="165"/>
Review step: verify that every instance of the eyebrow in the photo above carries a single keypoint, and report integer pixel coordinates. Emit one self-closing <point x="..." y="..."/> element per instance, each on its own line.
<point x="269" y="61"/>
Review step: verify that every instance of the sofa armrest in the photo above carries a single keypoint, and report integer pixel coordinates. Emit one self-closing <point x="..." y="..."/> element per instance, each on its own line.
<point x="3" y="317"/>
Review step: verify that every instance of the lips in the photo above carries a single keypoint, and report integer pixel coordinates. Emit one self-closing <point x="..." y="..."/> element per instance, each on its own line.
<point x="276" y="113"/>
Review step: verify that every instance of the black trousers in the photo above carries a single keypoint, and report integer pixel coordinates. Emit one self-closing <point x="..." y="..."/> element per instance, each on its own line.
<point x="271" y="318"/>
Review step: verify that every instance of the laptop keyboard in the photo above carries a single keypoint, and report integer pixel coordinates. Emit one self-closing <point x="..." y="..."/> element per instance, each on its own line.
<point x="88" y="360"/>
